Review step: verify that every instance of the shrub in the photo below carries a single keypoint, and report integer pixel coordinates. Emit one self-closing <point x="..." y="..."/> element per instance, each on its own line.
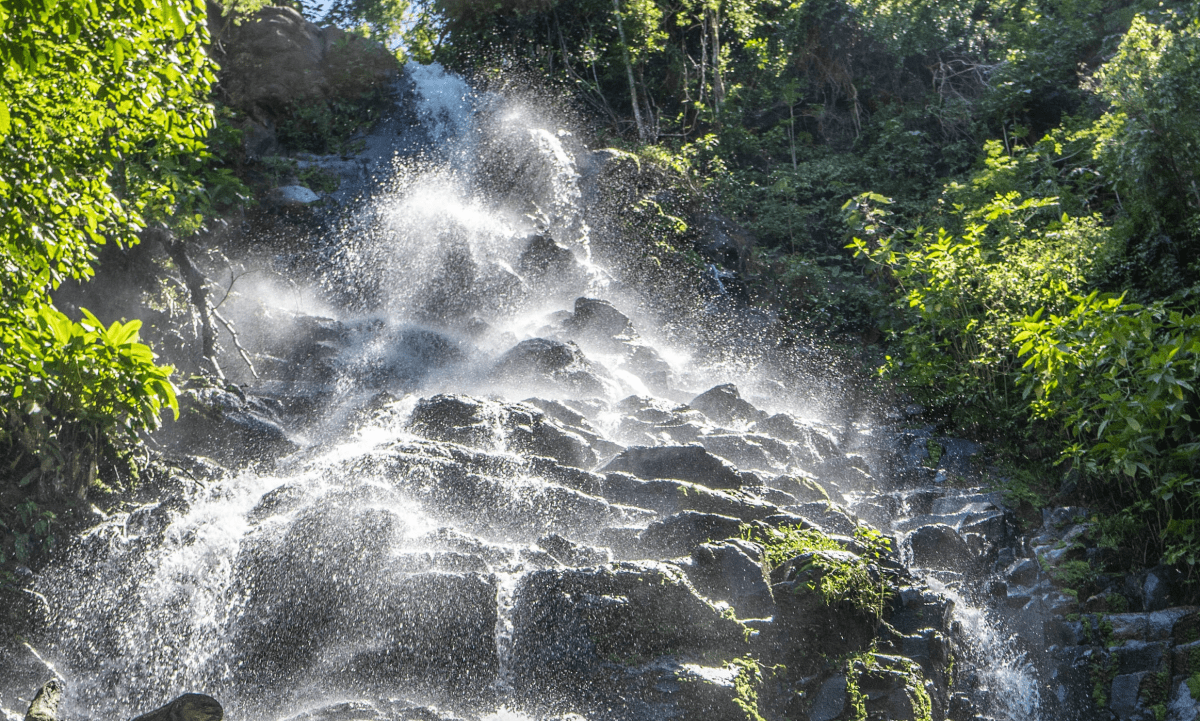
<point x="1121" y="379"/>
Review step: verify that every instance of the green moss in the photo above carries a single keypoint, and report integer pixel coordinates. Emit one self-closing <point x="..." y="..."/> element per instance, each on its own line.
<point x="319" y="180"/>
<point x="746" y="684"/>
<point x="835" y="579"/>
<point x="1102" y="669"/>
<point x="1193" y="684"/>
<point x="922" y="705"/>
<point x="935" y="453"/>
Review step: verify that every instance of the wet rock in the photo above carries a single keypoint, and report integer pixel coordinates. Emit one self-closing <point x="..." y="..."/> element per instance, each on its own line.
<point x="827" y="517"/>
<point x="293" y="349"/>
<point x="1185" y="657"/>
<point x="543" y="258"/>
<point x="540" y="361"/>
<point x="578" y="424"/>
<point x="685" y="463"/>
<point x="512" y="503"/>
<point x="563" y="414"/>
<point x="23" y="667"/>
<point x="292" y="196"/>
<point x="1183" y="705"/>
<point x="746" y="451"/>
<point x="724" y="404"/>
<point x="677" y="535"/>
<point x="806" y="489"/>
<point x="484" y="424"/>
<point x="1134" y="656"/>
<point x="592" y="634"/>
<point x="599" y="322"/>
<point x="44" y="706"/>
<point x="939" y="546"/>
<point x="958" y="457"/>
<point x="915" y="609"/>
<point x="813" y="446"/>
<point x="1154" y="626"/>
<point x="962" y="707"/>
<point x="416" y="352"/>
<point x="726" y="572"/>
<point x="1156" y="589"/>
<point x="1024" y="572"/>
<point x="830" y="700"/>
<point x="428" y="628"/>
<point x="391" y="710"/>
<point x="668" y="496"/>
<point x="227" y="425"/>
<point x="893" y="689"/>
<point x="188" y="707"/>
<point x="1123" y="698"/>
<point x="570" y="553"/>
<point x="458" y="419"/>
<point x="645" y="363"/>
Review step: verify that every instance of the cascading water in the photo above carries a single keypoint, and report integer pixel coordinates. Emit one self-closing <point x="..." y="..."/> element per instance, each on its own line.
<point x="426" y="555"/>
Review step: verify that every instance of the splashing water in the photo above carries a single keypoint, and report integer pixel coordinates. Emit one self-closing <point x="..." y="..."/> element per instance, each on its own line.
<point x="1008" y="678"/>
<point x="392" y="563"/>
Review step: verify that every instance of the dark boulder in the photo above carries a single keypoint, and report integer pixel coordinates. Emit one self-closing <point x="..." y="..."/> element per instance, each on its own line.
<point x="677" y="535"/>
<point x="227" y="425"/>
<point x="939" y="546"/>
<point x="544" y="259"/>
<point x="727" y="571"/>
<point x="325" y="595"/>
<point x="188" y="707"/>
<point x="645" y="363"/>
<point x="598" y="321"/>
<point x="484" y="424"/>
<point x="723" y="404"/>
<point x="669" y="496"/>
<point x="568" y="625"/>
<point x="543" y="361"/>
<point x="685" y="463"/>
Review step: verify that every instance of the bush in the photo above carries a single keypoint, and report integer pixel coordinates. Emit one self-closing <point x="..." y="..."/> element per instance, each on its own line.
<point x="956" y="298"/>
<point x="78" y="393"/>
<point x="102" y="110"/>
<point x="1149" y="145"/>
<point x="1121" y="378"/>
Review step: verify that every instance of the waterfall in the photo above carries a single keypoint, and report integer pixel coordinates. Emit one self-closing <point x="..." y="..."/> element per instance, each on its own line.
<point x="514" y="494"/>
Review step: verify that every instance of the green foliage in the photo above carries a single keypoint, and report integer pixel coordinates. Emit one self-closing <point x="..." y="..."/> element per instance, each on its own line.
<point x="385" y="18"/>
<point x="957" y="297"/>
<point x="1074" y="575"/>
<point x="855" y="667"/>
<point x="1149" y="142"/>
<point x="850" y="579"/>
<point x="786" y="542"/>
<point x="75" y="393"/>
<point x="102" y="114"/>
<point x="1121" y="379"/>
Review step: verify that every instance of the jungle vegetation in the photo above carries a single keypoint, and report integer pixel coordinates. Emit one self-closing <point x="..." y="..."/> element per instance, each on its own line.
<point x="1000" y="196"/>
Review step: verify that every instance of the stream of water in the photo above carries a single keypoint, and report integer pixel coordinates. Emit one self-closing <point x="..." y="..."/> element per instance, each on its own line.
<point x="397" y="563"/>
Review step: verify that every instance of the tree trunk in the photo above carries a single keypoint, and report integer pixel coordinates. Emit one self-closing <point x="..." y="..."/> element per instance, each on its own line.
<point x="637" y="113"/>
<point x="718" y="81"/>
